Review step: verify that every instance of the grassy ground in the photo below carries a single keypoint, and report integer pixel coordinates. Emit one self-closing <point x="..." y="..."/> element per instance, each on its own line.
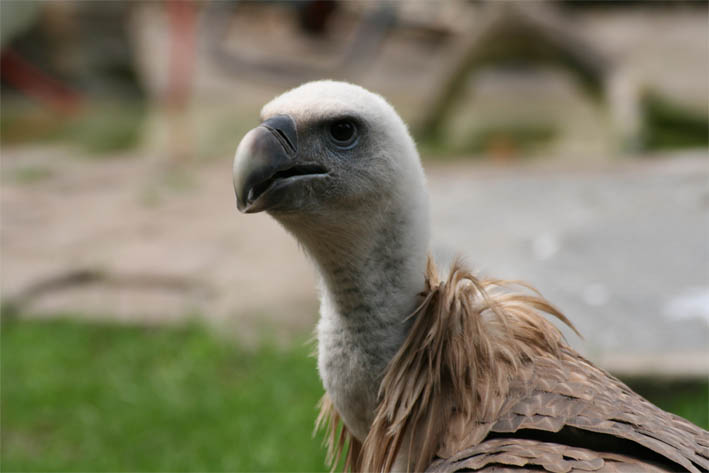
<point x="86" y="397"/>
<point x="80" y="397"/>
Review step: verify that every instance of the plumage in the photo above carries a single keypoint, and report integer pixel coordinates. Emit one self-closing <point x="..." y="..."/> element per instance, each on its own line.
<point x="523" y="379"/>
<point x="423" y="373"/>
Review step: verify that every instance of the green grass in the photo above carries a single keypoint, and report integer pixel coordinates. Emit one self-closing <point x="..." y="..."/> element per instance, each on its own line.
<point x="83" y="397"/>
<point x="667" y="125"/>
<point x="31" y="174"/>
<point x="94" y="397"/>
<point x="514" y="139"/>
<point x="98" y="128"/>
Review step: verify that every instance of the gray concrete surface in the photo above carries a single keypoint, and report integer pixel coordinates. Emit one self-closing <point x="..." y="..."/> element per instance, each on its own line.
<point x="620" y="247"/>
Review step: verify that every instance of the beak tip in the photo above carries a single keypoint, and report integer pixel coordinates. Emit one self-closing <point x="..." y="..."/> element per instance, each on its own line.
<point x="245" y="207"/>
<point x="242" y="205"/>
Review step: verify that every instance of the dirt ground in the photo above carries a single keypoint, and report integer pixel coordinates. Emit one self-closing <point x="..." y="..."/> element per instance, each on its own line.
<point x="139" y="241"/>
<point x="620" y="247"/>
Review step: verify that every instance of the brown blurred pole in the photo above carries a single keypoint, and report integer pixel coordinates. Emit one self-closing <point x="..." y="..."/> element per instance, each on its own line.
<point x="182" y="17"/>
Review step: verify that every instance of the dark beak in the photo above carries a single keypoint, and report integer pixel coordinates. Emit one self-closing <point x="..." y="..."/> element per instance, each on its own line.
<point x="263" y="156"/>
<point x="269" y="173"/>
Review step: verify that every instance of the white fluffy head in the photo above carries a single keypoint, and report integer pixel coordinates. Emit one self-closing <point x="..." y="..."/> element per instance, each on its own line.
<point x="328" y="98"/>
<point x="370" y="193"/>
<point x="382" y="171"/>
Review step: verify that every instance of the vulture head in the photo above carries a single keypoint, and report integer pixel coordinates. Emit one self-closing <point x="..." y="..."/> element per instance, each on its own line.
<point x="336" y="166"/>
<point x="323" y="150"/>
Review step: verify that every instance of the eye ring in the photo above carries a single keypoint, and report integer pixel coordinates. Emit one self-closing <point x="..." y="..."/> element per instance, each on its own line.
<point x="343" y="133"/>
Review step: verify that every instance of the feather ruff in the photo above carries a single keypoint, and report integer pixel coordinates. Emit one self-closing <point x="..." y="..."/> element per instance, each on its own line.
<point x="469" y="338"/>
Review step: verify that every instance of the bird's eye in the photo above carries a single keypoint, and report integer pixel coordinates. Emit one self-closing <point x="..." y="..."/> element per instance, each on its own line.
<point x="343" y="133"/>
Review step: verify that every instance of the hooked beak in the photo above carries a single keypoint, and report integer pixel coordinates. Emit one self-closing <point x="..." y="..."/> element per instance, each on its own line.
<point x="266" y="162"/>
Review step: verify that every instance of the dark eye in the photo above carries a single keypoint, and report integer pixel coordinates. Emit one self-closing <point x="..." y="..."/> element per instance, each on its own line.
<point x="343" y="133"/>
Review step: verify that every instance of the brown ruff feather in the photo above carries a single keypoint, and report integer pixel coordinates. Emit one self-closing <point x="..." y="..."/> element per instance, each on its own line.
<point x="337" y="437"/>
<point x="468" y="339"/>
<point x="479" y="359"/>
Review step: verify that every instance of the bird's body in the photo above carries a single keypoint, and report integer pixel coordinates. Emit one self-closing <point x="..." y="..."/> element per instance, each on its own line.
<point x="426" y="373"/>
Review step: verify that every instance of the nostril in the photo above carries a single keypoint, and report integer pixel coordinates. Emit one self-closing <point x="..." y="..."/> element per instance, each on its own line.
<point x="283" y="129"/>
<point x="285" y="138"/>
<point x="282" y="138"/>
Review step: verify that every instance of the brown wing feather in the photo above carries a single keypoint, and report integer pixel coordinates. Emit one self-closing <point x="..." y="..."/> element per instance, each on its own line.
<point x="571" y="392"/>
<point x="515" y="455"/>
<point x="482" y="369"/>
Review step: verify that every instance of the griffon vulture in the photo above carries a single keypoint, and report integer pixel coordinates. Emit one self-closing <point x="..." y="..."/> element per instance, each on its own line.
<point x="419" y="372"/>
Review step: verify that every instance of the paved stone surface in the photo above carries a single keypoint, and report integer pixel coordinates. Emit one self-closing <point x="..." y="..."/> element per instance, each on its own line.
<point x="163" y="245"/>
<point x="620" y="248"/>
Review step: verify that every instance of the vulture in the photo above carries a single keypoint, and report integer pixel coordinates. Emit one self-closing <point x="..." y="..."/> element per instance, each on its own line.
<point x="423" y="372"/>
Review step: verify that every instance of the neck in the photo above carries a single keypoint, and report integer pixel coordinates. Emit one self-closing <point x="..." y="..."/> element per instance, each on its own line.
<point x="370" y="281"/>
<point x="371" y="273"/>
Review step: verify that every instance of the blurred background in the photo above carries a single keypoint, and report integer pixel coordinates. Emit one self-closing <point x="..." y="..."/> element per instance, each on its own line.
<point x="148" y="327"/>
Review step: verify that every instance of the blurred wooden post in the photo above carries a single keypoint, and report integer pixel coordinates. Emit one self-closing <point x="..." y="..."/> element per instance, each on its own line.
<point x="182" y="25"/>
<point x="535" y="27"/>
<point x="624" y="102"/>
